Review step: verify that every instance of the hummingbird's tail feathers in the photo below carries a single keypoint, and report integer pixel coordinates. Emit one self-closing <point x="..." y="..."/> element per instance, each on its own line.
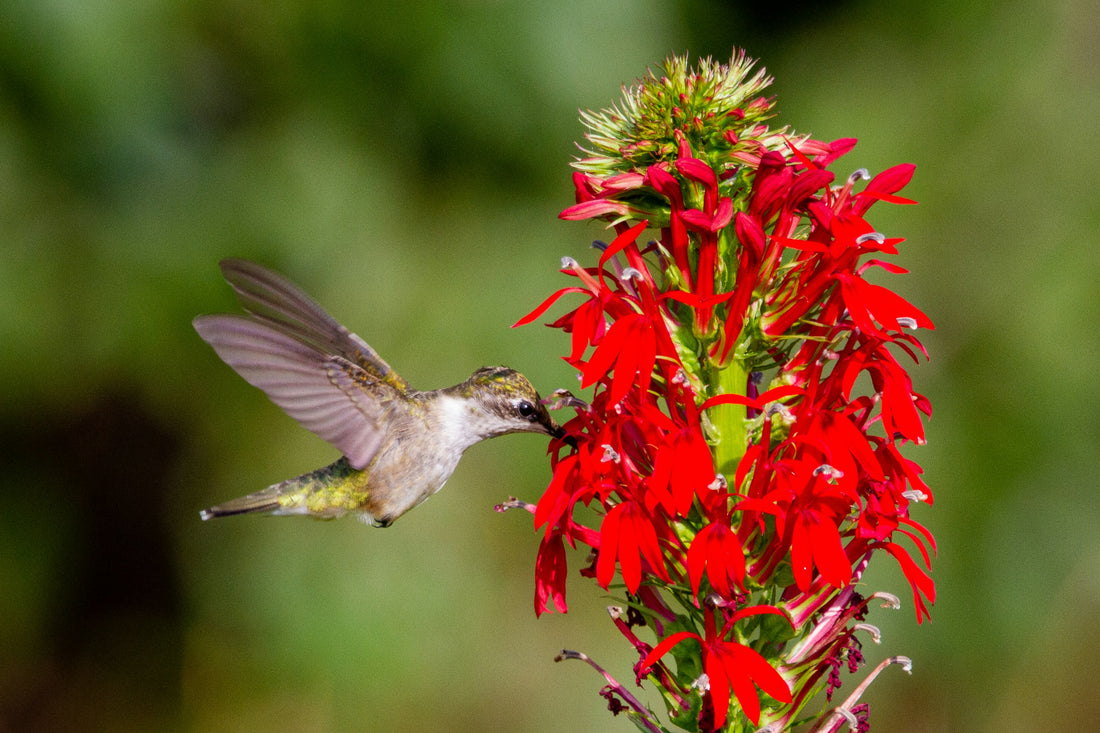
<point x="326" y="493"/>
<point x="261" y="502"/>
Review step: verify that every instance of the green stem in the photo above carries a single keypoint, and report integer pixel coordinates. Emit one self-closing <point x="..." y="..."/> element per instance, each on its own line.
<point x="728" y="420"/>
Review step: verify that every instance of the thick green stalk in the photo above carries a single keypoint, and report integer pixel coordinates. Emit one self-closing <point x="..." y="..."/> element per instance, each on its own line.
<point x="728" y="420"/>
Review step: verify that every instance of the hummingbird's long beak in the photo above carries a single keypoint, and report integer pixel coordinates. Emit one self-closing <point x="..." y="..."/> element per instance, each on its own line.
<point x="552" y="428"/>
<point x="559" y="433"/>
<point x="556" y="431"/>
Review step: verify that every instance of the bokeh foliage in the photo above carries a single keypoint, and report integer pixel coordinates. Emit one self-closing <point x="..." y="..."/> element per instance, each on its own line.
<point x="405" y="163"/>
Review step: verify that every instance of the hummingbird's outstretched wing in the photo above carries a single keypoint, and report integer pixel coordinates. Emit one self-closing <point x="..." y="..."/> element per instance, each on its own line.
<point x="322" y="375"/>
<point x="272" y="298"/>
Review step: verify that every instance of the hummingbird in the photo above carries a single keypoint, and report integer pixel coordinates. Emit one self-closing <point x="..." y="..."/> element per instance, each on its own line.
<point x="399" y="444"/>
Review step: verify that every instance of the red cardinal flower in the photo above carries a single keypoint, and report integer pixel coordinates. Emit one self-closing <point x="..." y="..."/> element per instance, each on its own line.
<point x="741" y="447"/>
<point x="730" y="666"/>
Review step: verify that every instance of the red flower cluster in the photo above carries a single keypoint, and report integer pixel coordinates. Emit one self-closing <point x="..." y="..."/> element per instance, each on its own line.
<point x="707" y="495"/>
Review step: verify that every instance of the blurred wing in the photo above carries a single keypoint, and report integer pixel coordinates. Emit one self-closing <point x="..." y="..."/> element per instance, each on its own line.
<point x="272" y="298"/>
<point x="329" y="395"/>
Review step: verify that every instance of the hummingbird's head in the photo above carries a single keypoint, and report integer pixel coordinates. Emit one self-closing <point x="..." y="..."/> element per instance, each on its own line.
<point x="503" y="402"/>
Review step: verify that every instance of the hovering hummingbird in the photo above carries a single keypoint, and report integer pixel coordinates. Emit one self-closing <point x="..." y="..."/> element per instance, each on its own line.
<point x="400" y="444"/>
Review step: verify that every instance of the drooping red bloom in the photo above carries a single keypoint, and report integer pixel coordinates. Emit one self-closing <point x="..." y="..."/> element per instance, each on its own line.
<point x="730" y="666"/>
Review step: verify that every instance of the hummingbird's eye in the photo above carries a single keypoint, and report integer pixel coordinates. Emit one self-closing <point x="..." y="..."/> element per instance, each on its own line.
<point x="526" y="409"/>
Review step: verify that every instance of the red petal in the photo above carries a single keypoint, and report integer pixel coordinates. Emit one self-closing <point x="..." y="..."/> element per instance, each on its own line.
<point x="828" y="552"/>
<point x="801" y="556"/>
<point x="545" y="305"/>
<point x="550" y="571"/>
<point x="776" y="393"/>
<point x="919" y="580"/>
<point x="628" y="362"/>
<point x="630" y="561"/>
<point x="665" y="644"/>
<point x="720" y="688"/>
<point x="666" y="185"/>
<point x="742" y="686"/>
<point x="594" y="208"/>
<point x="724" y="213"/>
<point x="609" y="544"/>
<point x="609" y="350"/>
<point x="630" y="236"/>
<point x="697" y="170"/>
<point x="763" y="674"/>
<point x="645" y="537"/>
<point x="693" y="300"/>
<point x="749" y="233"/>
<point x="893" y="179"/>
<point x="697" y="558"/>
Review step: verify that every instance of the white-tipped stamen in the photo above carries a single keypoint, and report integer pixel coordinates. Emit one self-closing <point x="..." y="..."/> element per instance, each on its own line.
<point x="845" y="707"/>
<point x="828" y="471"/>
<point x="876" y="634"/>
<point x="889" y="600"/>
<point x="859" y="174"/>
<point x="560" y="398"/>
<point x="778" y="408"/>
<point x="870" y="237"/>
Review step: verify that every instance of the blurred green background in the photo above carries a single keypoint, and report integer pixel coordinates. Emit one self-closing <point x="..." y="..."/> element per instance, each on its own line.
<point x="405" y="162"/>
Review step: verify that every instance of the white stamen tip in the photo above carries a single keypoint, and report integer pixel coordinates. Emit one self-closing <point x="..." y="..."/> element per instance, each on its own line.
<point x="870" y="237"/>
<point x="876" y="635"/>
<point x="860" y="174"/>
<point x="784" y="412"/>
<point x="889" y="600"/>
